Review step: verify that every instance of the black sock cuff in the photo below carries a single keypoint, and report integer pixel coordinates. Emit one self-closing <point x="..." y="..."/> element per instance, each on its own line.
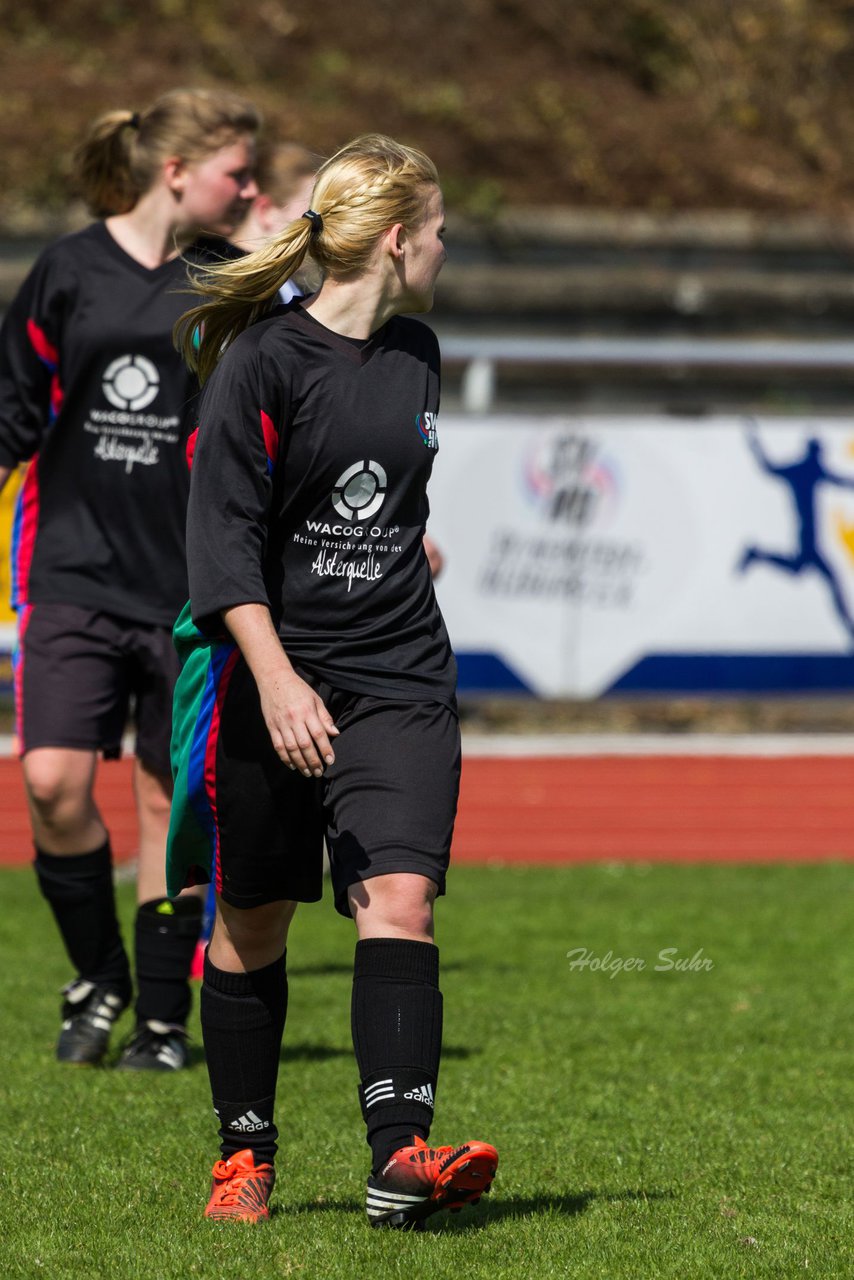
<point x="398" y="958"/>
<point x="82" y="865"/>
<point x="252" y="1125"/>
<point x="177" y="917"/>
<point x="395" y="1095"/>
<point x="254" y="983"/>
<point x="189" y="906"/>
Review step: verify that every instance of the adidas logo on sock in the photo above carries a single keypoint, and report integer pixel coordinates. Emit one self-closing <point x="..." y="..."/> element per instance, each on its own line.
<point x="423" y="1093"/>
<point x="250" y="1123"/>
<point x="381" y="1091"/>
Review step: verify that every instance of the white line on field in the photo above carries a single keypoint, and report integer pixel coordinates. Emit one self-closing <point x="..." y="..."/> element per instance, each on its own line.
<point x="517" y="745"/>
<point x="658" y="744"/>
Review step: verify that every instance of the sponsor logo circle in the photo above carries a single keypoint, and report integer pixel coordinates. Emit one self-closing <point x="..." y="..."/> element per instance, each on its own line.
<point x="359" y="491"/>
<point x="131" y="382"/>
<point x="570" y="480"/>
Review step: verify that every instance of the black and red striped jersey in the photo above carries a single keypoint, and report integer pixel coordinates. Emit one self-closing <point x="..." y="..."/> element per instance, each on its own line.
<point x="95" y="398"/>
<point x="309" y="495"/>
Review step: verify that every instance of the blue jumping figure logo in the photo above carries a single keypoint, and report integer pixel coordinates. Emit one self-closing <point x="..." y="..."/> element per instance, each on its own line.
<point x="803" y="478"/>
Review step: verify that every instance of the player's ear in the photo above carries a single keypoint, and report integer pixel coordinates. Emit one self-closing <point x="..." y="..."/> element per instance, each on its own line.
<point x="175" y="174"/>
<point x="263" y="208"/>
<point x="393" y="240"/>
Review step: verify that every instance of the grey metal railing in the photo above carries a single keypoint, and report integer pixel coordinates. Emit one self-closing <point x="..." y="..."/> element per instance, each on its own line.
<point x="482" y="356"/>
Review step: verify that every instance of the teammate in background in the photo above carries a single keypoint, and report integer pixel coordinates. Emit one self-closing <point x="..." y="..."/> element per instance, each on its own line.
<point x="285" y="174"/>
<point x="95" y="398"/>
<point x="317" y="692"/>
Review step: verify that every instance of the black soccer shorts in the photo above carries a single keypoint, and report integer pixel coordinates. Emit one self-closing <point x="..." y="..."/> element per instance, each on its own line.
<point x="386" y="805"/>
<point x="78" y="673"/>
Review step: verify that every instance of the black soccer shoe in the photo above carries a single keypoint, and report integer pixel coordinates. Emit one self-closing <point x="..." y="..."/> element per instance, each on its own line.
<point x="88" y="1015"/>
<point x="155" y="1046"/>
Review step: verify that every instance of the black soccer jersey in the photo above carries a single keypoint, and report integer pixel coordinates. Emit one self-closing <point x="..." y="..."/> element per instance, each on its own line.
<point x="309" y="495"/>
<point x="94" y="395"/>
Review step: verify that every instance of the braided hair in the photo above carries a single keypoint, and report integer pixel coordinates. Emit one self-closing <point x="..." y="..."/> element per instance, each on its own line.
<point x="365" y="188"/>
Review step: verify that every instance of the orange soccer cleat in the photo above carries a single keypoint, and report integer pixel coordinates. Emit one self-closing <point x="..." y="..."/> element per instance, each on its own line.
<point x="241" y="1188"/>
<point x="419" y="1180"/>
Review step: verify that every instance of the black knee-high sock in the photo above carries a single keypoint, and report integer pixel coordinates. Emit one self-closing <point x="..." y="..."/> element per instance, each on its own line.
<point x="396" y="1019"/>
<point x="243" y="1017"/>
<point x="166" y="934"/>
<point x="79" y="889"/>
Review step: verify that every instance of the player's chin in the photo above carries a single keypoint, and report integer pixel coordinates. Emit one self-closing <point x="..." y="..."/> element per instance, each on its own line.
<point x="420" y="302"/>
<point x="232" y="219"/>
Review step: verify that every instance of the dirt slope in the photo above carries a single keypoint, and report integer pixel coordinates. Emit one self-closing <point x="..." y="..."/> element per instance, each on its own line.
<point x="660" y="104"/>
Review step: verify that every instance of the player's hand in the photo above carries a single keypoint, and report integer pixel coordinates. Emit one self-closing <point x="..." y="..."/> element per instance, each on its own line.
<point x="300" y="726"/>
<point x="435" y="559"/>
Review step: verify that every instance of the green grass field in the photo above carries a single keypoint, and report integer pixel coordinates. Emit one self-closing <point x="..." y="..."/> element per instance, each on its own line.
<point x="689" y="1124"/>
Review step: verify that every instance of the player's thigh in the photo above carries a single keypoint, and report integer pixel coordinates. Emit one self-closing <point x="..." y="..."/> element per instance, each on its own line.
<point x="155" y="670"/>
<point x="391" y="796"/>
<point x="267" y="819"/>
<point x="71" y="681"/>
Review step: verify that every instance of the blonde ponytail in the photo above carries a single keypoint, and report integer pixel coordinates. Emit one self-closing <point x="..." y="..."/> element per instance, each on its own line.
<point x="241" y="292"/>
<point x="365" y="188"/>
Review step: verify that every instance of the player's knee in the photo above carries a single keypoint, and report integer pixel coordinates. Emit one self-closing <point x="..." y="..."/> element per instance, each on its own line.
<point x="153" y="781"/>
<point x="397" y="905"/>
<point x="153" y="796"/>
<point x="256" y="936"/>
<point x="58" y="799"/>
<point x="414" y="922"/>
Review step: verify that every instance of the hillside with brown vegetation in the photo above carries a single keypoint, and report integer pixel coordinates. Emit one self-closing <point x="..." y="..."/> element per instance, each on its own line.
<point x="654" y="104"/>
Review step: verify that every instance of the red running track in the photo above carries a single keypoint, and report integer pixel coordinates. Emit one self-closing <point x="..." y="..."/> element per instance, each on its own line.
<point x="587" y="809"/>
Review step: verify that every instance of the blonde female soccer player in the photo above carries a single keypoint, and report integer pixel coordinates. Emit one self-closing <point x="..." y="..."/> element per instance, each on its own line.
<point x="318" y="689"/>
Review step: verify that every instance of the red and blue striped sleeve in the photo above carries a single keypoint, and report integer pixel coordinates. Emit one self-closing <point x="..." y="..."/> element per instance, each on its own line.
<point x="31" y="390"/>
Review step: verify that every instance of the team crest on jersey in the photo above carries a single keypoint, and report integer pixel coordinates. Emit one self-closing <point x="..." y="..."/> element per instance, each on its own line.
<point x="360" y="490"/>
<point x="427" y="429"/>
<point x="131" y="383"/>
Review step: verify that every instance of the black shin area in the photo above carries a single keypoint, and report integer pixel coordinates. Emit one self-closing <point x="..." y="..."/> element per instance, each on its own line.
<point x="79" y="890"/>
<point x="397" y="1036"/>
<point x="166" y="933"/>
<point x="243" y="1018"/>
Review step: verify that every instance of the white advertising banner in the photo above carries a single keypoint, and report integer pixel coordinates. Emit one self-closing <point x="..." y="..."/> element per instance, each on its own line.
<point x="600" y="554"/>
<point x="647" y="553"/>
